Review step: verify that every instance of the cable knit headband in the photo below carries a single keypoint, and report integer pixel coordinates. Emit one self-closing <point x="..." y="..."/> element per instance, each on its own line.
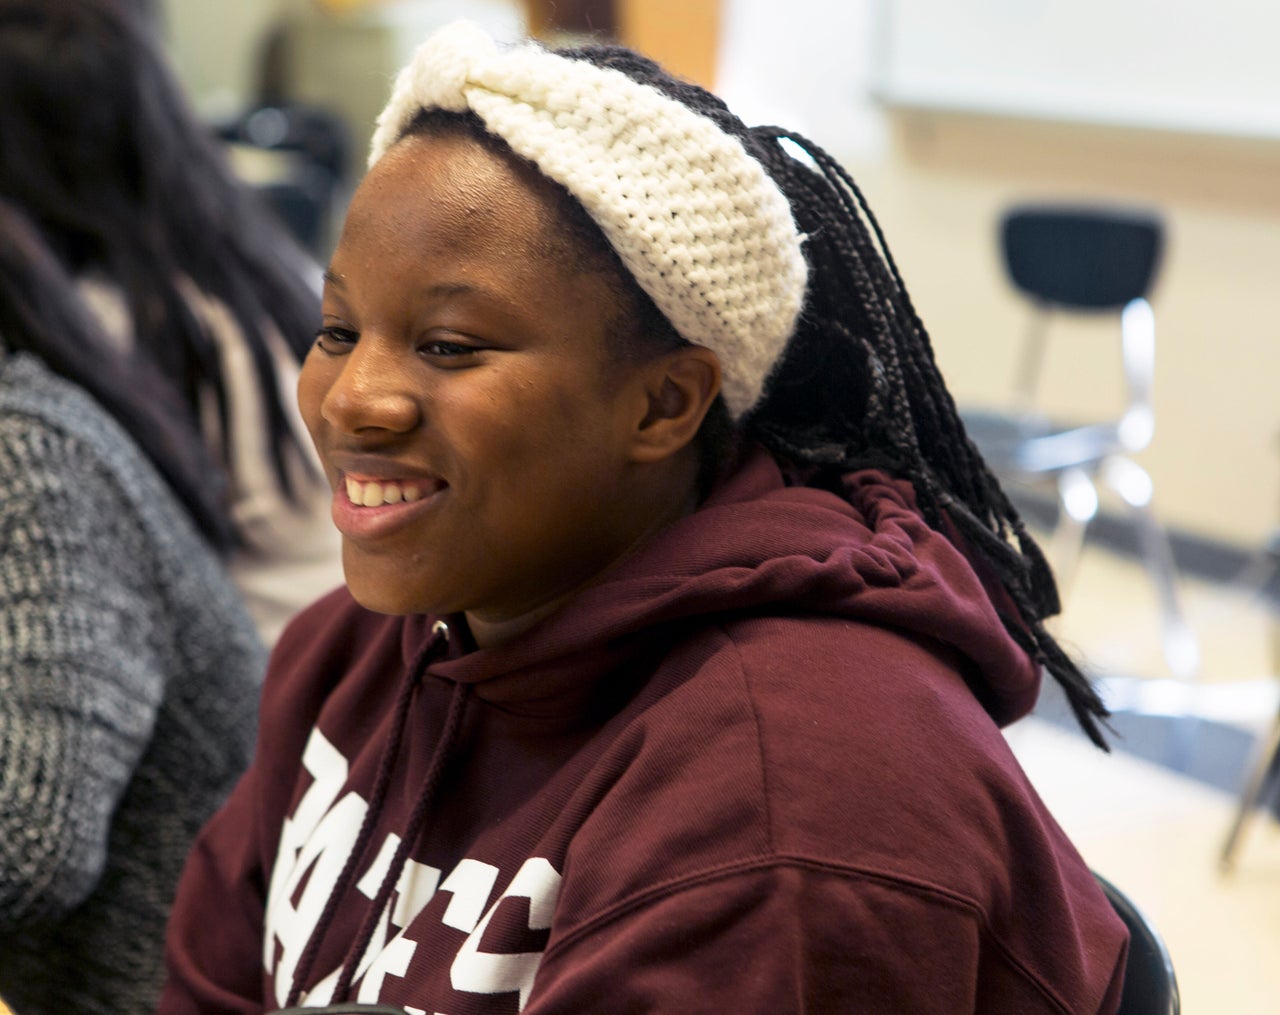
<point x="695" y="219"/>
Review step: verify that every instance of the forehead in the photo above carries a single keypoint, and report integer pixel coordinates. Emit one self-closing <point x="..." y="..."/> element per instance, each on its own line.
<point x="442" y="227"/>
<point x="434" y="191"/>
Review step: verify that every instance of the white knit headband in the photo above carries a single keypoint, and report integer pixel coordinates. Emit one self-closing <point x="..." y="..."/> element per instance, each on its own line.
<point x="695" y="219"/>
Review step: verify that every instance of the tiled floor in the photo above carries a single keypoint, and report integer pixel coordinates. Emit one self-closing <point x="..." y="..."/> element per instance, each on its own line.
<point x="1154" y="830"/>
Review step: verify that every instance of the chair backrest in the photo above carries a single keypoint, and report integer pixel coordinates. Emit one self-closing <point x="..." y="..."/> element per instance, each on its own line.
<point x="1150" y="985"/>
<point x="1081" y="257"/>
<point x="1087" y="259"/>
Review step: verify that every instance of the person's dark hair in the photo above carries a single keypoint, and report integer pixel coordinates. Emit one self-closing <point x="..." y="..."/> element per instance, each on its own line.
<point x="121" y="178"/>
<point x="858" y="386"/>
<point x="41" y="312"/>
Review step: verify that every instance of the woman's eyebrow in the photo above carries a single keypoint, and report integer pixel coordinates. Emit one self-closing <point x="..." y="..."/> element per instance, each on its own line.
<point x="435" y="290"/>
<point x="441" y="290"/>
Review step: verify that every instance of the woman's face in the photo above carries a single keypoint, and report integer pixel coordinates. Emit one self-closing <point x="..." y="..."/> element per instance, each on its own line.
<point x="470" y="420"/>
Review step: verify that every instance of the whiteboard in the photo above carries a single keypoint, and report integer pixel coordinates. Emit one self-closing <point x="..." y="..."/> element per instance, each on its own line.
<point x="1203" y="66"/>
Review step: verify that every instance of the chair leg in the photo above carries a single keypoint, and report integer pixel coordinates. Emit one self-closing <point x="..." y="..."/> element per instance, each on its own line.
<point x="1178" y="640"/>
<point x="1027" y="377"/>
<point x="1264" y="773"/>
<point x="1077" y="505"/>
<point x="1261" y="783"/>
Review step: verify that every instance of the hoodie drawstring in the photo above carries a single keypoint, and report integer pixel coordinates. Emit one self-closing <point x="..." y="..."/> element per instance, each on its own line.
<point x="377" y="799"/>
<point x="453" y="722"/>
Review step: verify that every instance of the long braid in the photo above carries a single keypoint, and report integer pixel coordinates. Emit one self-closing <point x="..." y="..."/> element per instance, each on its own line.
<point x="945" y="466"/>
<point x="882" y="401"/>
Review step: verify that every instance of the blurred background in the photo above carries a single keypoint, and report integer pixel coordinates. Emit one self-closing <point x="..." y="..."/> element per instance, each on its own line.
<point x="948" y="113"/>
<point x="938" y="163"/>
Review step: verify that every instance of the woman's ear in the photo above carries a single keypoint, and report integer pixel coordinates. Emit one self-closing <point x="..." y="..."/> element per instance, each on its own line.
<point x="680" y="386"/>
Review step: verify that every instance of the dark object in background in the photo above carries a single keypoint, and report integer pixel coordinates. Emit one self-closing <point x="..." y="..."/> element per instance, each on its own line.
<point x="1150" y="984"/>
<point x="314" y="147"/>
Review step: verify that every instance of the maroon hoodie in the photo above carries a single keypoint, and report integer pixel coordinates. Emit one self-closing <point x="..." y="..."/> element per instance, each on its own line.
<point x="755" y="768"/>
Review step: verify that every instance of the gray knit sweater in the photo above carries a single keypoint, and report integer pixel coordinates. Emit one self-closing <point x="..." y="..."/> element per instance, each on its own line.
<point x="129" y="677"/>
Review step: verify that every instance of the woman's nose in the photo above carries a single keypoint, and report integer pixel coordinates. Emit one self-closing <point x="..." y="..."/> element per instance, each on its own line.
<point x="372" y="391"/>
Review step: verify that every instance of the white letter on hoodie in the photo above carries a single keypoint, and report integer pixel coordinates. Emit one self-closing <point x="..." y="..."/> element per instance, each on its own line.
<point x="317" y="839"/>
<point x="494" y="973"/>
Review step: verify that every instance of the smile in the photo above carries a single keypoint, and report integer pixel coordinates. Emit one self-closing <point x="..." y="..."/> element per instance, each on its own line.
<point x="370" y="509"/>
<point x="375" y="493"/>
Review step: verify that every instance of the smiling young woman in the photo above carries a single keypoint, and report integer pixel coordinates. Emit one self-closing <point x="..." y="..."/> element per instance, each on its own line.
<point x="681" y="616"/>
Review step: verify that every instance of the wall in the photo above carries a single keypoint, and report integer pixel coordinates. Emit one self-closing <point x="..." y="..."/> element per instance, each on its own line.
<point x="1172" y="64"/>
<point x="215" y="46"/>
<point x="685" y="32"/>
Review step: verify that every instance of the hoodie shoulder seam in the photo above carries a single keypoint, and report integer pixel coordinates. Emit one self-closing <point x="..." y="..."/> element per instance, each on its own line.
<point x="766" y="795"/>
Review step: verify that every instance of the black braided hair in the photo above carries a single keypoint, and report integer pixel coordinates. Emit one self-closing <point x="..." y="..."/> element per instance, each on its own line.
<point x="858" y="385"/>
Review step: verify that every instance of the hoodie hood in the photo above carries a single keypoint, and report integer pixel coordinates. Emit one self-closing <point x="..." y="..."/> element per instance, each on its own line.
<point x="759" y="543"/>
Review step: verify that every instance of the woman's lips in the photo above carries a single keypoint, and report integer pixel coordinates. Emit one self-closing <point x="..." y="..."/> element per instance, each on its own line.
<point x="369" y="508"/>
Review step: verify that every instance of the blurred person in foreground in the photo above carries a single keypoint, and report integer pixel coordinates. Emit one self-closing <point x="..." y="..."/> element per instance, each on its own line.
<point x="681" y="617"/>
<point x="185" y="269"/>
<point x="159" y="513"/>
<point x="129" y="666"/>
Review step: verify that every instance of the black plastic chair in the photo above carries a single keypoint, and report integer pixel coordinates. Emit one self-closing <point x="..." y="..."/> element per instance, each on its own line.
<point x="1070" y="259"/>
<point x="1150" y="984"/>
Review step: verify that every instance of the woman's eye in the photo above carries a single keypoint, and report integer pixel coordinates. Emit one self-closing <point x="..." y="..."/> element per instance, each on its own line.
<point x="444" y="349"/>
<point x="336" y="341"/>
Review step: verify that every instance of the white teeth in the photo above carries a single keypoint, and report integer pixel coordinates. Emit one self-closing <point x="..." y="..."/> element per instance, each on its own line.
<point x="373" y="494"/>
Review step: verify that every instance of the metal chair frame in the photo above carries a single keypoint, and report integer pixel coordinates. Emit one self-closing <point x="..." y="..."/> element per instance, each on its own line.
<point x="1070" y="259"/>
